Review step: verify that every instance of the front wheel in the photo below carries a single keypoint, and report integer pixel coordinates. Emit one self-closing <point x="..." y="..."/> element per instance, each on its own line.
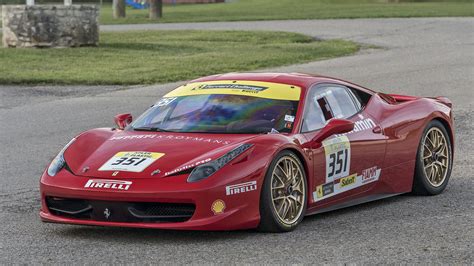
<point x="434" y="160"/>
<point x="284" y="195"/>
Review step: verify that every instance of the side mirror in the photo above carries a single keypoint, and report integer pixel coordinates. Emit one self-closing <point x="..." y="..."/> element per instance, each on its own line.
<point x="334" y="126"/>
<point x="123" y="120"/>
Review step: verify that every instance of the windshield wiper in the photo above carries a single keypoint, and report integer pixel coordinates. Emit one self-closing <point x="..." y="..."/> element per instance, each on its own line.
<point x="151" y="129"/>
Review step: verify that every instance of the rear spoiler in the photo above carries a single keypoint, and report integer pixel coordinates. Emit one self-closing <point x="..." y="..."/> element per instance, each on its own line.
<point x="397" y="98"/>
<point x="444" y="100"/>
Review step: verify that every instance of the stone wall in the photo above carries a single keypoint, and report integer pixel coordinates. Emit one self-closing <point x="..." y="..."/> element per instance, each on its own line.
<point x="50" y="25"/>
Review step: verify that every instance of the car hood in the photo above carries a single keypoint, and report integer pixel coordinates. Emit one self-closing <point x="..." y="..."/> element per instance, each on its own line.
<point x="177" y="152"/>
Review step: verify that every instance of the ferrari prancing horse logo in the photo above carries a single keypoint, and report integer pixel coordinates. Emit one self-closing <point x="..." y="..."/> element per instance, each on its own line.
<point x="107" y="213"/>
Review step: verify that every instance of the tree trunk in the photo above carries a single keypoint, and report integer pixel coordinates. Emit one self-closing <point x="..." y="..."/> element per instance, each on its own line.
<point x="156" y="9"/>
<point x="119" y="8"/>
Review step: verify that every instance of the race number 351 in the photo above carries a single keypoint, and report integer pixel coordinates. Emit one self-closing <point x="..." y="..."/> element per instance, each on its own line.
<point x="130" y="161"/>
<point x="338" y="157"/>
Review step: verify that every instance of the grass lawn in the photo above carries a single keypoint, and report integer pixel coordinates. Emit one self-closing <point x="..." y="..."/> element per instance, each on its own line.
<point x="163" y="56"/>
<point x="296" y="9"/>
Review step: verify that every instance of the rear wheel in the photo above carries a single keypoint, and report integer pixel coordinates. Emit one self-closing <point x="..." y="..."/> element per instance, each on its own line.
<point x="434" y="160"/>
<point x="283" y="199"/>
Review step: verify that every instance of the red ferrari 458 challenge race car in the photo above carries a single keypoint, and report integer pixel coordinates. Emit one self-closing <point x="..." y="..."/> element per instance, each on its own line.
<point x="255" y="150"/>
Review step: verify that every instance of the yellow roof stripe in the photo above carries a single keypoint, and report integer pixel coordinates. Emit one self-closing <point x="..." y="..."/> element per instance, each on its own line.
<point x="268" y="90"/>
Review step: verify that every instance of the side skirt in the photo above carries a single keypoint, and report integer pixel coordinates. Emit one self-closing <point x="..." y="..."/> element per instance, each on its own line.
<point x="352" y="203"/>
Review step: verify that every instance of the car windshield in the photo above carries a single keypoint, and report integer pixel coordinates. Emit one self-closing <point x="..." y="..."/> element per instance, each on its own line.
<point x="219" y="113"/>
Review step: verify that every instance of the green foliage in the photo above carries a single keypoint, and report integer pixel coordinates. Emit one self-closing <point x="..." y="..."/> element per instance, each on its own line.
<point x="238" y="10"/>
<point x="147" y="57"/>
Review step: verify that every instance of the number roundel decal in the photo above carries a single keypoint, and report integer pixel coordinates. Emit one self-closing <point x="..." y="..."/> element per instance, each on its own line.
<point x="338" y="157"/>
<point x="130" y="161"/>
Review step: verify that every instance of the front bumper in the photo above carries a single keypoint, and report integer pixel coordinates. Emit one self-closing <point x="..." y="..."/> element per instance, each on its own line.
<point x="241" y="211"/>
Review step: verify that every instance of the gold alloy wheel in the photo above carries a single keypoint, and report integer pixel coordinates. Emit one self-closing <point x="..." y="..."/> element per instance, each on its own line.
<point x="435" y="152"/>
<point x="288" y="190"/>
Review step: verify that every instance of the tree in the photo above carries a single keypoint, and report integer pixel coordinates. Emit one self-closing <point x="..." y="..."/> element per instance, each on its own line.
<point x="156" y="9"/>
<point x="119" y="8"/>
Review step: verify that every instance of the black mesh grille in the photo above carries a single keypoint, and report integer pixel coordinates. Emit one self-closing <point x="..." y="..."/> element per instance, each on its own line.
<point x="169" y="209"/>
<point x="115" y="211"/>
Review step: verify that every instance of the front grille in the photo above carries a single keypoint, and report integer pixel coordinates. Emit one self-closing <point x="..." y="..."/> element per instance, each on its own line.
<point x="164" y="209"/>
<point x="116" y="211"/>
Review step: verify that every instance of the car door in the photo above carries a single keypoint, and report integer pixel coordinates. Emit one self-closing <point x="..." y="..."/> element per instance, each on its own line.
<point x="346" y="166"/>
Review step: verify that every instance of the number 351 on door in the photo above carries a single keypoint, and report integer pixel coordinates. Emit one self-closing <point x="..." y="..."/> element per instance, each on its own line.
<point x="338" y="157"/>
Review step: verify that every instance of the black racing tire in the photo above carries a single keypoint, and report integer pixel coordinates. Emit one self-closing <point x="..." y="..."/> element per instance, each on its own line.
<point x="421" y="182"/>
<point x="270" y="221"/>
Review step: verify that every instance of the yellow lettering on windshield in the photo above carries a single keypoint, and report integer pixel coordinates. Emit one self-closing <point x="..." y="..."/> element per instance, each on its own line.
<point x="268" y="90"/>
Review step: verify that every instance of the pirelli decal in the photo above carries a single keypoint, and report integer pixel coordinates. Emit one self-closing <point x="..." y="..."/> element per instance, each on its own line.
<point x="269" y="90"/>
<point x="347" y="183"/>
<point x="240" y="188"/>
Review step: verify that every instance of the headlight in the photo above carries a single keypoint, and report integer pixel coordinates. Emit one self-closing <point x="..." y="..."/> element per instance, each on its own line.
<point x="58" y="162"/>
<point x="205" y="170"/>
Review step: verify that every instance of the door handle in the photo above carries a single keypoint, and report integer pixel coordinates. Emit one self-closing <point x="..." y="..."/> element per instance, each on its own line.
<point x="377" y="130"/>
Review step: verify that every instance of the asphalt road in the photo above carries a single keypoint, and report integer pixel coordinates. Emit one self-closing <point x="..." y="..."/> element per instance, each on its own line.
<point x="419" y="57"/>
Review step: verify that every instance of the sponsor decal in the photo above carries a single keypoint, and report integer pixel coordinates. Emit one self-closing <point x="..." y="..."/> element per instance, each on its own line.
<point x="130" y="161"/>
<point x="369" y="174"/>
<point x="268" y="90"/>
<point x="324" y="190"/>
<point x="115" y="173"/>
<point x="338" y="157"/>
<point x="218" y="207"/>
<point x="290" y="118"/>
<point x="185" y="167"/>
<point x="171" y="137"/>
<point x="243" y="87"/>
<point x="347" y="181"/>
<point x="361" y="125"/>
<point x="344" y="184"/>
<point x="241" y="188"/>
<point x="108" y="184"/>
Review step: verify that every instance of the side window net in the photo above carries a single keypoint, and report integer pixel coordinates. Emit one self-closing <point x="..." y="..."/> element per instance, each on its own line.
<point x="324" y="105"/>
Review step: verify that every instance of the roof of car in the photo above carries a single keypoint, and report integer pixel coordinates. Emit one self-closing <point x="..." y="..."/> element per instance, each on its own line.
<point x="297" y="79"/>
<point x="302" y="80"/>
